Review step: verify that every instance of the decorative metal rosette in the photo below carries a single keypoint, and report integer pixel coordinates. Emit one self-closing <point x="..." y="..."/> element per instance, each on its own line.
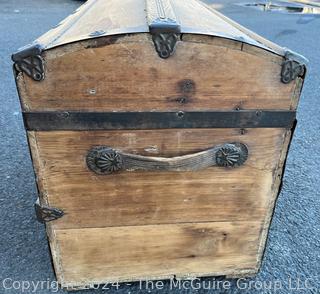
<point x="104" y="160"/>
<point x="232" y="155"/>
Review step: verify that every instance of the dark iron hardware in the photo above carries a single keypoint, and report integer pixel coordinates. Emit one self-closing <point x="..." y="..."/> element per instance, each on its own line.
<point x="165" y="44"/>
<point x="47" y="121"/>
<point x="29" y="61"/>
<point x="232" y="155"/>
<point x="163" y="26"/>
<point x="47" y="214"/>
<point x="293" y="66"/>
<point x="105" y="160"/>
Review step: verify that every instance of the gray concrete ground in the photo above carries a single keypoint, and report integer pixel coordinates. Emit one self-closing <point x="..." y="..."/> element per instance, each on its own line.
<point x="293" y="249"/>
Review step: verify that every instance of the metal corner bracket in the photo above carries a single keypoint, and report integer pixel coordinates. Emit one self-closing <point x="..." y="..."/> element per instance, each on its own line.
<point x="164" y="27"/>
<point x="293" y="66"/>
<point x="47" y="214"/>
<point x="30" y="61"/>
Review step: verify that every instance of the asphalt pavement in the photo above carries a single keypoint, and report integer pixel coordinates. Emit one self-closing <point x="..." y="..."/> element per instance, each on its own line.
<point x="293" y="249"/>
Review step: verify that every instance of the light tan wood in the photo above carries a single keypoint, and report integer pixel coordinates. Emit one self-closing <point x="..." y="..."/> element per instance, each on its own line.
<point x="130" y="76"/>
<point x="232" y="245"/>
<point x="297" y="93"/>
<point x="277" y="179"/>
<point x="163" y="251"/>
<point x="137" y="198"/>
<point x="154" y="225"/>
<point x="216" y="41"/>
<point x="38" y="165"/>
<point x="130" y="16"/>
<point x="235" y="45"/>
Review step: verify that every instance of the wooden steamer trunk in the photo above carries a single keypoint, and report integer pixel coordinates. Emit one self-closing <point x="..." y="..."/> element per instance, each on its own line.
<point x="158" y="132"/>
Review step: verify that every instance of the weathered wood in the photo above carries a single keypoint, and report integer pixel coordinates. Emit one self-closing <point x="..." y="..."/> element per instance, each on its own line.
<point x="276" y="186"/>
<point x="159" y="222"/>
<point x="198" y="77"/>
<point x="99" y="18"/>
<point x="138" y="198"/>
<point x="156" y="252"/>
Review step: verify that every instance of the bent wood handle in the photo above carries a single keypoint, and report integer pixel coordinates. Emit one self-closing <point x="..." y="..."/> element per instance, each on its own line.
<point x="105" y="160"/>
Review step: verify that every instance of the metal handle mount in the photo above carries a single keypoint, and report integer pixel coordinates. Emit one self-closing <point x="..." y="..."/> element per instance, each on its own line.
<point x="106" y="160"/>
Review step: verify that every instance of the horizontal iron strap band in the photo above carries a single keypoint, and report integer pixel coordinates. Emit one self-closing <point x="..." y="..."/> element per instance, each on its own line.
<point x="50" y="121"/>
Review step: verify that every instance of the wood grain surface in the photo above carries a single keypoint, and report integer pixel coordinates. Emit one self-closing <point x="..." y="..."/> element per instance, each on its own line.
<point x="139" y="197"/>
<point x="139" y="224"/>
<point x="156" y="252"/>
<point x="126" y="74"/>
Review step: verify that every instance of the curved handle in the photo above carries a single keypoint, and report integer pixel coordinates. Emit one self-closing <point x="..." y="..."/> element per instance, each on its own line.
<point x="105" y="160"/>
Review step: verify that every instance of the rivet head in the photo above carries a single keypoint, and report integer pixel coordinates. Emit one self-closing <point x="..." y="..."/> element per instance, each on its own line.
<point x="92" y="91"/>
<point x="37" y="76"/>
<point x="180" y="114"/>
<point x="97" y="33"/>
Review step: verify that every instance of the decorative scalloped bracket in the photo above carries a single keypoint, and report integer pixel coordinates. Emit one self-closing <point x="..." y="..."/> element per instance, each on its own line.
<point x="293" y="66"/>
<point x="47" y="214"/>
<point x="30" y="61"/>
<point x="163" y="26"/>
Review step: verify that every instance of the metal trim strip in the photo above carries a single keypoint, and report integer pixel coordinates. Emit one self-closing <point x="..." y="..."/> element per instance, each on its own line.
<point x="80" y="121"/>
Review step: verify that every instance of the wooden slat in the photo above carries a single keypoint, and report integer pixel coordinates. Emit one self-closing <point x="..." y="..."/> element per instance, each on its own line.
<point x="277" y="182"/>
<point x="137" y="198"/>
<point x="129" y="76"/>
<point x="154" y="252"/>
<point x="157" y="199"/>
<point x="106" y="18"/>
